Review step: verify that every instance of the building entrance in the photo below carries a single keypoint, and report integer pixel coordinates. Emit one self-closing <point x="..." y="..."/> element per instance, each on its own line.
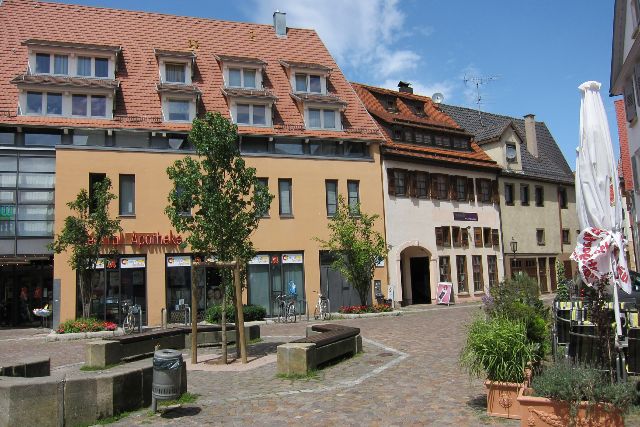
<point x="420" y="289"/>
<point x="24" y="287"/>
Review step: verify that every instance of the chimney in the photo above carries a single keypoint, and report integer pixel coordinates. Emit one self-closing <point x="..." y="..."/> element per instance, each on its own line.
<point x="280" y="23"/>
<point x="530" y="134"/>
<point x="404" y="87"/>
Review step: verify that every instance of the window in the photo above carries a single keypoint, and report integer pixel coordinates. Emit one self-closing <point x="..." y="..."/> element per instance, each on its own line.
<point x="43" y="63"/>
<point x="79" y="105"/>
<point x="308" y="83"/>
<point x="331" y="187"/>
<point x="54" y="103"/>
<point x="461" y="268"/>
<point x="465" y="237"/>
<point x="461" y="188"/>
<point x="61" y="64"/>
<point x="539" y="193"/>
<point x="485" y="191"/>
<point x="356" y="149"/>
<point x="98" y="106"/>
<point x="492" y="263"/>
<point x="45" y="139"/>
<point x="183" y="205"/>
<point x="524" y="194"/>
<point x="127" y="194"/>
<point x="284" y="190"/>
<point x="94" y="178"/>
<point x="421" y="185"/>
<point x="288" y="147"/>
<point x="495" y="237"/>
<point x="456" y="236"/>
<point x="84" y="66"/>
<point x="486" y="233"/>
<point x="460" y="144"/>
<point x="175" y="73"/>
<point x="178" y="110"/>
<point x="7" y="138"/>
<point x="353" y="188"/>
<point x="440" y="186"/>
<point x="562" y="198"/>
<point x="512" y="154"/>
<point x="508" y="194"/>
<point x="566" y="238"/>
<point x="254" y="145"/>
<point x="101" y="67"/>
<point x="264" y="183"/>
<point x="477" y="237"/>
<point x="446" y="237"/>
<point x="400" y="181"/>
<point x="322" y="118"/>
<point x="442" y="141"/>
<point x="34" y="103"/>
<point x="251" y="114"/>
<point x="444" y="269"/>
<point x="540" y="236"/>
<point x="242" y="77"/>
<point x="478" y="282"/>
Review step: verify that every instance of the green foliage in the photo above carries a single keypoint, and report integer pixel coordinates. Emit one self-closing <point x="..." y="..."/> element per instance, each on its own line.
<point x="498" y="348"/>
<point x="84" y="231"/>
<point x="85" y="325"/>
<point x="562" y="291"/>
<point x="251" y="313"/>
<point x="357" y="246"/>
<point x="576" y="383"/>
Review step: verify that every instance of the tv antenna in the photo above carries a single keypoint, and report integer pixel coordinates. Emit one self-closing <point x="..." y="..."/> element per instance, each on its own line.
<point x="479" y="81"/>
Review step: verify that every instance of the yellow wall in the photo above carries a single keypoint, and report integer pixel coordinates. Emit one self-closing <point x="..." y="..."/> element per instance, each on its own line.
<point x="276" y="234"/>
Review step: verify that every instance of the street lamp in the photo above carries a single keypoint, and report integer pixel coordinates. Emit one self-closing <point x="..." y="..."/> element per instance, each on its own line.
<point x="514" y="249"/>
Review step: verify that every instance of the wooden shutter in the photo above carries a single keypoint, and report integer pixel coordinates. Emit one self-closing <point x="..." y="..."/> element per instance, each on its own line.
<point x="495" y="192"/>
<point x="495" y="237"/>
<point x="471" y="196"/>
<point x="439" y="236"/>
<point x="477" y="236"/>
<point x="465" y="237"/>
<point x="453" y="188"/>
<point x="411" y="183"/>
<point x="629" y="101"/>
<point x="391" y="182"/>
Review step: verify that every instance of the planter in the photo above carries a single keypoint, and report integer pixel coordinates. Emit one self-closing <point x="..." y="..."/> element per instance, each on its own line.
<point x="502" y="399"/>
<point x="543" y="412"/>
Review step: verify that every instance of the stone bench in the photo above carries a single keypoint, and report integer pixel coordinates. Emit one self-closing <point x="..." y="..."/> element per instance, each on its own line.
<point x="322" y="344"/>
<point x="110" y="351"/>
<point x="27" y="367"/>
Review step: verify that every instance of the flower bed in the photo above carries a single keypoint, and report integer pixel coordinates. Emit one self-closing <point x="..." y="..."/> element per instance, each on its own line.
<point x="362" y="309"/>
<point x="85" y="325"/>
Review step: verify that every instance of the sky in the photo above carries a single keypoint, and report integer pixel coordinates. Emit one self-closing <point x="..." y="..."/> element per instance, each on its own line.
<point x="530" y="57"/>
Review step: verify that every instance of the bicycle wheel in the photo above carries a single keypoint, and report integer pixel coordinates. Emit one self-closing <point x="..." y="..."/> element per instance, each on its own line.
<point x="128" y="324"/>
<point x="316" y="312"/>
<point x="326" y="315"/>
<point x="292" y="314"/>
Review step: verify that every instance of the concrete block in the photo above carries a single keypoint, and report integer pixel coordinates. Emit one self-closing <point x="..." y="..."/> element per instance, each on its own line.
<point x="253" y="332"/>
<point x="147" y="380"/>
<point x="358" y="339"/>
<point x="37" y="367"/>
<point x="102" y="353"/>
<point x="183" y="379"/>
<point x="104" y="396"/>
<point x="296" y="358"/>
<point x="335" y="350"/>
<point x="127" y="391"/>
<point x="80" y="400"/>
<point x="310" y="331"/>
<point x="31" y="401"/>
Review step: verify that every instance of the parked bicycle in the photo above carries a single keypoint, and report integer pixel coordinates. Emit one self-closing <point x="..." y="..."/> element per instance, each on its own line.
<point x="129" y="321"/>
<point x="286" y="307"/>
<point x="322" y="307"/>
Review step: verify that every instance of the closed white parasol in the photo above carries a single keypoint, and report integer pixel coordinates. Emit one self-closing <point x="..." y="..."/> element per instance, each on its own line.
<point x="600" y="248"/>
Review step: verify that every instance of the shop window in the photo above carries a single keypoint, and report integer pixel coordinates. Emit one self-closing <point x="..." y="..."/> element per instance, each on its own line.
<point x="353" y="189"/>
<point x="478" y="280"/>
<point x="273" y="274"/>
<point x="444" y="269"/>
<point x="492" y="263"/>
<point x="331" y="187"/>
<point x="178" y="282"/>
<point x="127" y="195"/>
<point x="508" y="194"/>
<point x="461" y="268"/>
<point x="284" y="191"/>
<point x="539" y="194"/>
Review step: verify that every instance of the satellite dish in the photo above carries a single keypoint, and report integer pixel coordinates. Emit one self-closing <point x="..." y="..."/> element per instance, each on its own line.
<point x="437" y="97"/>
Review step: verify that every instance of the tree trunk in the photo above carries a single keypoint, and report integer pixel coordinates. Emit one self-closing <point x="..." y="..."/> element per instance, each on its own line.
<point x="234" y="301"/>
<point x="241" y="343"/>
<point x="223" y="320"/>
<point x="194" y="318"/>
<point x="83" y="295"/>
<point x="363" y="290"/>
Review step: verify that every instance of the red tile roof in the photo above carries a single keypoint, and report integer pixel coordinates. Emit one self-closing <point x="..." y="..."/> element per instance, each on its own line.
<point x="625" y="159"/>
<point x="62" y="81"/>
<point x="431" y="119"/>
<point x="140" y="34"/>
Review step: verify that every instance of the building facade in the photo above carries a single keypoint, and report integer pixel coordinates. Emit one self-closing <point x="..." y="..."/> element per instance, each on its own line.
<point x="120" y="104"/>
<point x="442" y="210"/>
<point x="537" y="192"/>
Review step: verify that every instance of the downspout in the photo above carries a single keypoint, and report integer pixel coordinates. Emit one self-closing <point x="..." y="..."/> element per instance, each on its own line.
<point x="504" y="256"/>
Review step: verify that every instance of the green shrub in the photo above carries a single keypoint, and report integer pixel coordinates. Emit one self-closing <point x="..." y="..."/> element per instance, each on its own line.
<point x="498" y="348"/>
<point x="562" y="291"/>
<point x="575" y="383"/>
<point x="251" y="313"/>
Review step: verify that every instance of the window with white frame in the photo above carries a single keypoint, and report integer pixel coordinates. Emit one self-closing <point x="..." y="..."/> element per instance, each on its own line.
<point x="87" y="66"/>
<point x="175" y="73"/>
<point x="251" y="114"/>
<point x="322" y="118"/>
<point x="51" y="104"/>
<point x="242" y="77"/>
<point x="88" y="105"/>
<point x="178" y="109"/>
<point x="308" y="83"/>
<point x="65" y="65"/>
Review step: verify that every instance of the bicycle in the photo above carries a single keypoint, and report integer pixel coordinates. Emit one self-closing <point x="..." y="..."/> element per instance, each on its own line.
<point x="129" y="321"/>
<point x="281" y="307"/>
<point x="292" y="313"/>
<point x="322" y="307"/>
<point x="286" y="308"/>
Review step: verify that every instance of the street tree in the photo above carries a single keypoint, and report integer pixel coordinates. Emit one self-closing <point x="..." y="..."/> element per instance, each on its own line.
<point x="356" y="246"/>
<point x="216" y="200"/>
<point x="83" y="233"/>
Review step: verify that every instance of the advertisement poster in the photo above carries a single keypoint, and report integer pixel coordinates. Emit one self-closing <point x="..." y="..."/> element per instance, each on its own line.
<point x="443" y="293"/>
<point x="178" y="261"/>
<point x="259" y="259"/>
<point x="100" y="264"/>
<point x="132" y="263"/>
<point x="292" y="258"/>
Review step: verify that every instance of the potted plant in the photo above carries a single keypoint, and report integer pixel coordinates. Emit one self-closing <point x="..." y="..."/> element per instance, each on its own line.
<point x="566" y="394"/>
<point x="498" y="348"/>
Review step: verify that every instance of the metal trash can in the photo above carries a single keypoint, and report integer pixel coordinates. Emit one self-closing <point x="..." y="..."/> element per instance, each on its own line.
<point x="167" y="376"/>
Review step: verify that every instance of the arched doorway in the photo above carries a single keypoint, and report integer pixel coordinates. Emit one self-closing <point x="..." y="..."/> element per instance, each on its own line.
<point x="415" y="275"/>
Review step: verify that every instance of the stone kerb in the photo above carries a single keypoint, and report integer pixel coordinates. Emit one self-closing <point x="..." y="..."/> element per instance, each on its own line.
<point x="28" y="367"/>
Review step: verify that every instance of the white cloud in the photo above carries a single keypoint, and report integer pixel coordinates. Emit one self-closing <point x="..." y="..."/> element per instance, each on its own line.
<point x="358" y="33"/>
<point x="447" y="88"/>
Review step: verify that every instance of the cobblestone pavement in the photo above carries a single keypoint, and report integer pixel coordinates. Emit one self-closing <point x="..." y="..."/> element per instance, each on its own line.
<point x="18" y="343"/>
<point x="408" y="375"/>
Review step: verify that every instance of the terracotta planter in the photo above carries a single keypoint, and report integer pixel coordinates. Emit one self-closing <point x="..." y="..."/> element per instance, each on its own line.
<point x="543" y="412"/>
<point x="502" y="399"/>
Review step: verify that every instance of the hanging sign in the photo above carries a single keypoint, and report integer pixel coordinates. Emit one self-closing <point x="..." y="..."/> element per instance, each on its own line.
<point x="141" y="239"/>
<point x="259" y="259"/>
<point x="100" y="264"/>
<point x="179" y="261"/>
<point x="465" y="216"/>
<point x="132" y="263"/>
<point x="443" y="293"/>
<point x="292" y="258"/>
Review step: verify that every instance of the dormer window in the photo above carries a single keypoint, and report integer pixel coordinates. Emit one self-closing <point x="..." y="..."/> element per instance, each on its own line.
<point x="241" y="72"/>
<point x="87" y="66"/>
<point x="251" y="114"/>
<point x="242" y="77"/>
<point x="175" y="73"/>
<point x="322" y="118"/>
<point x="511" y="153"/>
<point x="175" y="66"/>
<point x="308" y="83"/>
<point x="178" y="109"/>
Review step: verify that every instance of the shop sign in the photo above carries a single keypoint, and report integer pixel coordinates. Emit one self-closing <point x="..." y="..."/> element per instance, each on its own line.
<point x="141" y="239"/>
<point x="100" y="264"/>
<point x="179" y="261"/>
<point x="132" y="263"/>
<point x="465" y="216"/>
<point x="259" y="259"/>
<point x="7" y="212"/>
<point x="380" y="262"/>
<point x="292" y="258"/>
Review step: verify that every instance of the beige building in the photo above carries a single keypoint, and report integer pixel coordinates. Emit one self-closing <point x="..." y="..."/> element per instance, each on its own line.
<point x="537" y="194"/>
<point x="120" y="104"/>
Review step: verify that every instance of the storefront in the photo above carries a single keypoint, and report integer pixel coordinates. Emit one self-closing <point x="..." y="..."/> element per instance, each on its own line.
<point x="25" y="285"/>
<point x="273" y="274"/>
